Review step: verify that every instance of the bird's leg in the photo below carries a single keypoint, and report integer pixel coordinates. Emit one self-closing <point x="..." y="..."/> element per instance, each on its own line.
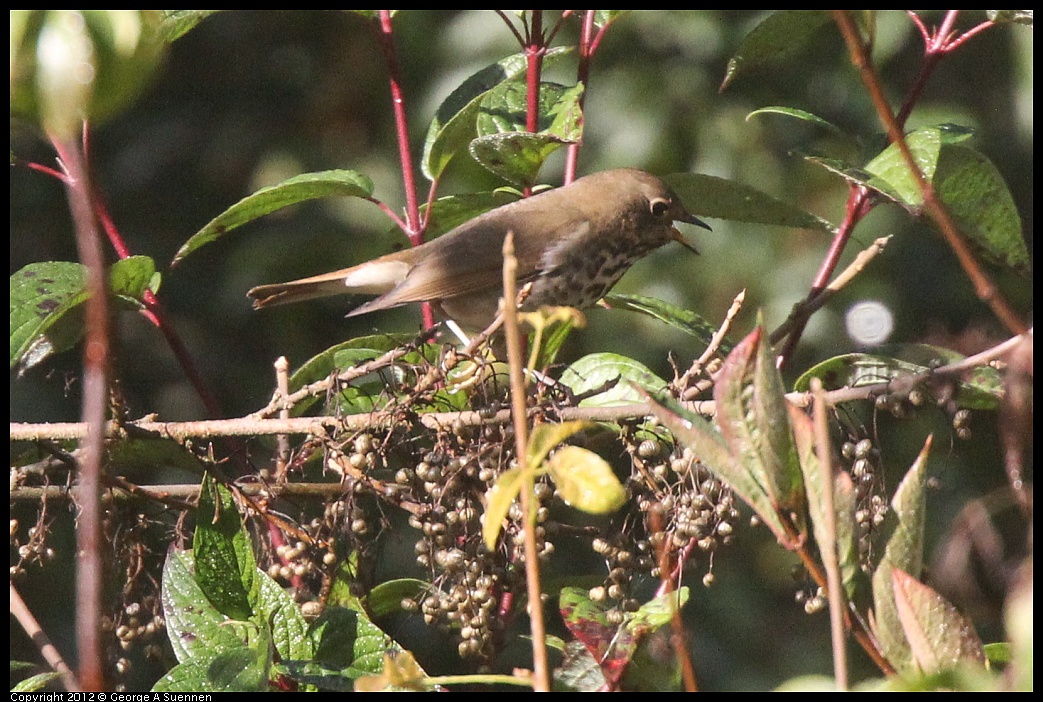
<point x="452" y="326"/>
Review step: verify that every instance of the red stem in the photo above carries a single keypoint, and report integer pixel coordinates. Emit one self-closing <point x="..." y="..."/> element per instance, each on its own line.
<point x="936" y="45"/>
<point x="586" y="53"/>
<point x="155" y="313"/>
<point x="986" y="290"/>
<point x="89" y="571"/>
<point x="398" y="104"/>
<point x="386" y="39"/>
<point x="858" y="205"/>
<point x="535" y="48"/>
<point x="47" y="170"/>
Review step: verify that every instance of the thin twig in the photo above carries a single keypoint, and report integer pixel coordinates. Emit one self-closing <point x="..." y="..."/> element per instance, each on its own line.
<point x="515" y="360"/>
<point x="50" y="653"/>
<point x="256" y="426"/>
<point x="681" y="384"/>
<point x="858" y="204"/>
<point x="90" y="572"/>
<point x="667" y="587"/>
<point x="853" y="619"/>
<point x="178" y="495"/>
<point x="386" y="38"/>
<point x="828" y="547"/>
<point x="282" y="453"/>
<point x="280" y="402"/>
<point x="815" y="302"/>
<point x="156" y="313"/>
<point x="935" y="208"/>
<point x="1015" y="425"/>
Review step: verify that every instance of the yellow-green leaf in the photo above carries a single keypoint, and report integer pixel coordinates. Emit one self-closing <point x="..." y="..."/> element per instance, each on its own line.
<point x="498" y="502"/>
<point x="585" y="481"/>
<point x="546" y="436"/>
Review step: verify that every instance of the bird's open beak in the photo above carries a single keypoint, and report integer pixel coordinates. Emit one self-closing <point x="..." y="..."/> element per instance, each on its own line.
<point x="679" y="237"/>
<point x="692" y="219"/>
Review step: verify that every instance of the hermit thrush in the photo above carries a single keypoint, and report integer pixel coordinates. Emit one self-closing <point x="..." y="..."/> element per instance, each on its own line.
<point x="572" y="243"/>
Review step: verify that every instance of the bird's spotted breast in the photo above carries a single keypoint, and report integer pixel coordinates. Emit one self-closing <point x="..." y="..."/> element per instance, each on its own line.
<point x="582" y="281"/>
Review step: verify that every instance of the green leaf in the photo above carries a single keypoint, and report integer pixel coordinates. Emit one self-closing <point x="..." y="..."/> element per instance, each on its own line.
<point x="503" y="144"/>
<point x="779" y="33"/>
<point x="968" y="184"/>
<point x="891" y="176"/>
<point x="649" y="670"/>
<point x="816" y="480"/>
<point x="940" y="637"/>
<point x="359" y="397"/>
<point x="453" y="126"/>
<point x="856" y="370"/>
<point x="753" y="415"/>
<point x="603" y="18"/>
<point x="42" y="297"/>
<point x="657" y="612"/>
<point x="195" y="628"/>
<point x="1015" y="16"/>
<point x="517" y="157"/>
<point x="190" y="675"/>
<point x="176" y="23"/>
<point x="236" y="669"/>
<point x="546" y="436"/>
<point x="225" y="567"/>
<point x="315" y="675"/>
<point x="346" y="638"/>
<point x="35" y="683"/>
<point x="504" y="109"/>
<point x="802" y="115"/>
<point x="981" y="205"/>
<point x="307" y="186"/>
<point x="903" y="531"/>
<point x="720" y="198"/>
<point x="498" y="500"/>
<point x="386" y="598"/>
<point x="217" y="653"/>
<point x="130" y="278"/>
<point x="585" y="481"/>
<point x="345" y="355"/>
<point x="243" y="669"/>
<point x="47" y="299"/>
<point x="276" y="608"/>
<point x="925" y="144"/>
<point x="979" y="389"/>
<point x="677" y="317"/>
<point x="551" y="327"/>
<point x="449" y="212"/>
<point x="612" y="378"/>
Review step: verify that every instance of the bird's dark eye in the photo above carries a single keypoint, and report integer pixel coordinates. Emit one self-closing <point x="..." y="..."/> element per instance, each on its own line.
<point x="660" y="207"/>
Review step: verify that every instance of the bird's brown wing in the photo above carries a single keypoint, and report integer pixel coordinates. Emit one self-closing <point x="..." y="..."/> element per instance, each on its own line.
<point x="469" y="259"/>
